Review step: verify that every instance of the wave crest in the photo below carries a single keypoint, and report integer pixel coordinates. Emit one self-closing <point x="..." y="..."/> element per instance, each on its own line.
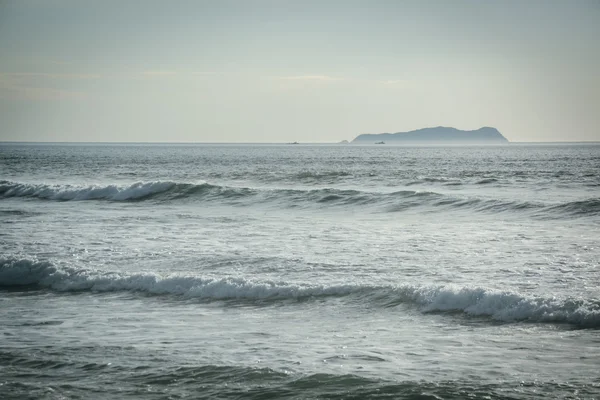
<point x="136" y="191"/>
<point x="293" y="198"/>
<point x="29" y="272"/>
<point x="498" y="305"/>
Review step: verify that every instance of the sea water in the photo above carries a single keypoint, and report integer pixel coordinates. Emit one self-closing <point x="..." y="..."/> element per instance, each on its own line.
<point x="305" y="271"/>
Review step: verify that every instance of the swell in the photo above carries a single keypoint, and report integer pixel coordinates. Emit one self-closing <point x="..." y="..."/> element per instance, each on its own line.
<point x="497" y="305"/>
<point x="398" y="201"/>
<point x="30" y="376"/>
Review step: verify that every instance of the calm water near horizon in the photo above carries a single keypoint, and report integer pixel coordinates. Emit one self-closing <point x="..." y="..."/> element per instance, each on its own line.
<point x="163" y="271"/>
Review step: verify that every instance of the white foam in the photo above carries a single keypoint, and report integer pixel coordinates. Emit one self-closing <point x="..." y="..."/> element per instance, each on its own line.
<point x="508" y="306"/>
<point x="499" y="305"/>
<point x="18" y="272"/>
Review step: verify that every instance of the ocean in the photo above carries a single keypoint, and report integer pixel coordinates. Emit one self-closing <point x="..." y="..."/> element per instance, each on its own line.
<point x="299" y="271"/>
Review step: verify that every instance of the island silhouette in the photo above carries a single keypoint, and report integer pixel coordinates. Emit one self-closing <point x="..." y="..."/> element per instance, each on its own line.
<point x="440" y="134"/>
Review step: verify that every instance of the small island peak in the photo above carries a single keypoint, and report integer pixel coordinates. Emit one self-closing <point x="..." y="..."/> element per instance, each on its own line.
<point x="437" y="135"/>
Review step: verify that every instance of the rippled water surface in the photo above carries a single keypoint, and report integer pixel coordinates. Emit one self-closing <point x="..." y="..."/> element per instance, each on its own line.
<point x="340" y="271"/>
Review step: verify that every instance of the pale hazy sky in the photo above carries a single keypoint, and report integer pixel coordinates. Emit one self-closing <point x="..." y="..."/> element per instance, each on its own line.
<point x="307" y="71"/>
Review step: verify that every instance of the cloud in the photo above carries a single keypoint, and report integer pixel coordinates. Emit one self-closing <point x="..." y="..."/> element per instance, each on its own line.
<point x="395" y="82"/>
<point x="39" y="93"/>
<point x="158" y="73"/>
<point x="22" y="75"/>
<point x="308" y="78"/>
<point x="203" y="73"/>
<point x="174" y="73"/>
<point x="30" y="86"/>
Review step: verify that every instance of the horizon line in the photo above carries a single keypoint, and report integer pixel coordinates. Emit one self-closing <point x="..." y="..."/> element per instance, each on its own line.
<point x="285" y="143"/>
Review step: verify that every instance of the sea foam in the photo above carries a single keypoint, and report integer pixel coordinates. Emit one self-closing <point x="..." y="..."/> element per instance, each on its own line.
<point x="498" y="305"/>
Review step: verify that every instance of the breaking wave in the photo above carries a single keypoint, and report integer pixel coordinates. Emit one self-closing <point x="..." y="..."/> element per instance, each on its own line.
<point x="498" y="305"/>
<point x="293" y="198"/>
<point x="136" y="191"/>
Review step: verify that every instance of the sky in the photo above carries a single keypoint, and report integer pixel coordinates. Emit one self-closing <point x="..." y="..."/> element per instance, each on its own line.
<point x="280" y="71"/>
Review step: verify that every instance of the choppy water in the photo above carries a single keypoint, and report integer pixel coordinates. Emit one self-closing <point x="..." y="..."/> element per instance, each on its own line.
<point x="207" y="271"/>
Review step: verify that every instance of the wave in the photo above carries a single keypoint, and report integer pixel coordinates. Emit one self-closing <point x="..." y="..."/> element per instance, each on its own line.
<point x="228" y="381"/>
<point x="453" y="181"/>
<point x="587" y="207"/>
<point x="160" y="190"/>
<point x="322" y="176"/>
<point x="167" y="191"/>
<point x="26" y="272"/>
<point x="293" y="198"/>
<point x="486" y="181"/>
<point x="93" y="192"/>
<point x="426" y="180"/>
<point x="498" y="305"/>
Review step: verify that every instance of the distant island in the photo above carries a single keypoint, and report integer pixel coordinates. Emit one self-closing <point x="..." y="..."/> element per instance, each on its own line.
<point x="441" y="134"/>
